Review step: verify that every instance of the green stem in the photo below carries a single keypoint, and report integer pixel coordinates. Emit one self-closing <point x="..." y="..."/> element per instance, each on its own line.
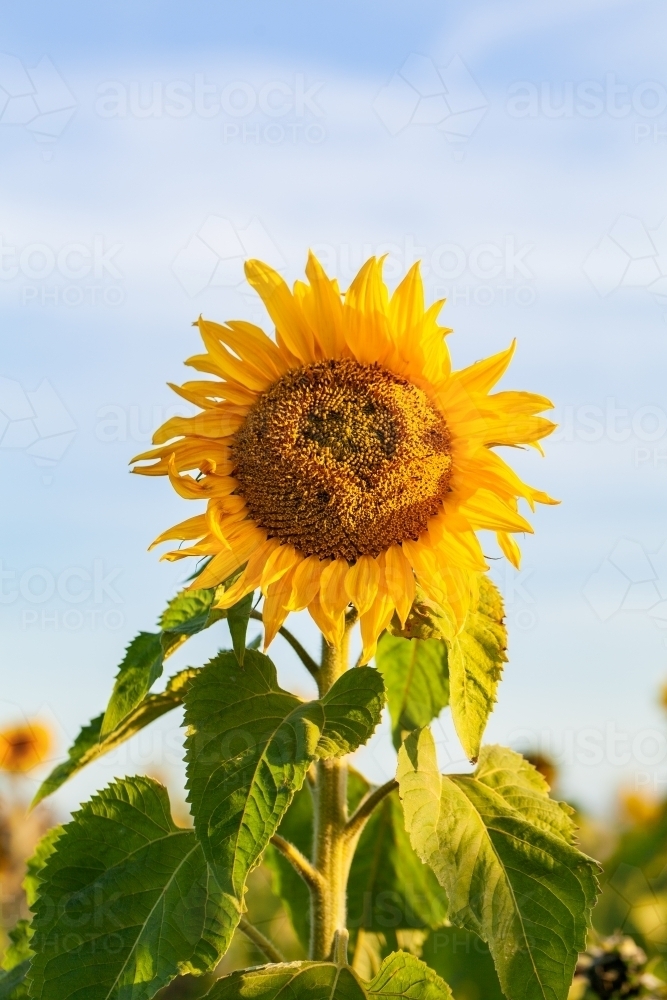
<point x="331" y="856"/>
<point x="303" y="654"/>
<point x="261" y="942"/>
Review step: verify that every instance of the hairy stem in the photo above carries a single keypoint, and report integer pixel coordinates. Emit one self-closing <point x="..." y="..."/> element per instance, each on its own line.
<point x="301" y="864"/>
<point x="331" y="857"/>
<point x="303" y="654"/>
<point x="368" y="804"/>
<point x="267" y="948"/>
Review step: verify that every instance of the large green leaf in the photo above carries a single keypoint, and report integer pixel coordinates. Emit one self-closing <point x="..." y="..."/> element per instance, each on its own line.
<point x="126" y="901"/>
<point x="188" y="613"/>
<point x="389" y="888"/>
<point x="476" y="658"/>
<point x="90" y="744"/>
<point x="502" y="850"/>
<point x="16" y="963"/>
<point x="400" y="975"/>
<point x="249" y="746"/>
<point x="474" y="664"/>
<point x="35" y="865"/>
<point x="464" y="961"/>
<point x="416" y="676"/>
<point x="13" y="983"/>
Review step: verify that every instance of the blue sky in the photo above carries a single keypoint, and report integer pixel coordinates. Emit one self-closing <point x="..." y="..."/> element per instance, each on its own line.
<point x="518" y="148"/>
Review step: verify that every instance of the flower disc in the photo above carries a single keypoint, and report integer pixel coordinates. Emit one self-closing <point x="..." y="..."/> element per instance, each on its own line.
<point x="341" y="460"/>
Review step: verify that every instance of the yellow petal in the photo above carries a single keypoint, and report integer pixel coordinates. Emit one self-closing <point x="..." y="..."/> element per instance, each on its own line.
<point x="231" y="390"/>
<point x="331" y="628"/>
<point x="276" y="607"/>
<point x="224" y="515"/>
<point x="189" y="453"/>
<point x="373" y="624"/>
<point x="194" y="527"/>
<point x="250" y="577"/>
<point x="457" y="547"/>
<point x="279" y="562"/>
<point x="219" y="569"/>
<point x="306" y="582"/>
<point x="232" y="367"/>
<point x="509" y="548"/>
<point x="328" y="310"/>
<point x="400" y="580"/>
<point x="483" y="375"/>
<point x="332" y="587"/>
<point x="367" y="329"/>
<point x="406" y="309"/>
<point x="282" y="309"/>
<point x="485" y="510"/>
<point x="333" y="596"/>
<point x="200" y="489"/>
<point x="252" y="344"/>
<point x="361" y="583"/>
<point x="209" y="424"/>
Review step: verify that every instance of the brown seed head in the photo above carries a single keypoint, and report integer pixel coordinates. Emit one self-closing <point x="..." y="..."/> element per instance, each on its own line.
<point x="341" y="459"/>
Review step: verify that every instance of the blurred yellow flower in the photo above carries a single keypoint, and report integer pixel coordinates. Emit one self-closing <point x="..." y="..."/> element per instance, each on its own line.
<point x="24" y="746"/>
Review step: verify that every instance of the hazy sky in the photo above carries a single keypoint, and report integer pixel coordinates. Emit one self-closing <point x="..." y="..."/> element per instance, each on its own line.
<point x="520" y="149"/>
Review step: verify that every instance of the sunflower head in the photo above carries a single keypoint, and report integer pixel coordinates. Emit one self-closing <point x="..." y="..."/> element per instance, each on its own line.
<point x="342" y="461"/>
<point x="24" y="746"/>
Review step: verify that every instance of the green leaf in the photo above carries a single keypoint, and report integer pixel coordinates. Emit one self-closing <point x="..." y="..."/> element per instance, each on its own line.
<point x="464" y="961"/>
<point x="35" y="865"/>
<point x="501" y="849"/>
<point x="249" y="746"/>
<point x="352" y="710"/>
<point x="126" y="901"/>
<point x="89" y="744"/>
<point x="476" y="658"/>
<point x="400" y="975"/>
<point x="13" y="984"/>
<point x="403" y="975"/>
<point x="19" y="950"/>
<point x="389" y="888"/>
<point x="189" y="612"/>
<point x="238" y="617"/>
<point x="416" y="676"/>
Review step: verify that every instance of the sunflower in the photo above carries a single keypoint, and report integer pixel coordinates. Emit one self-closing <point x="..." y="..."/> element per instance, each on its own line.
<point x="344" y="462"/>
